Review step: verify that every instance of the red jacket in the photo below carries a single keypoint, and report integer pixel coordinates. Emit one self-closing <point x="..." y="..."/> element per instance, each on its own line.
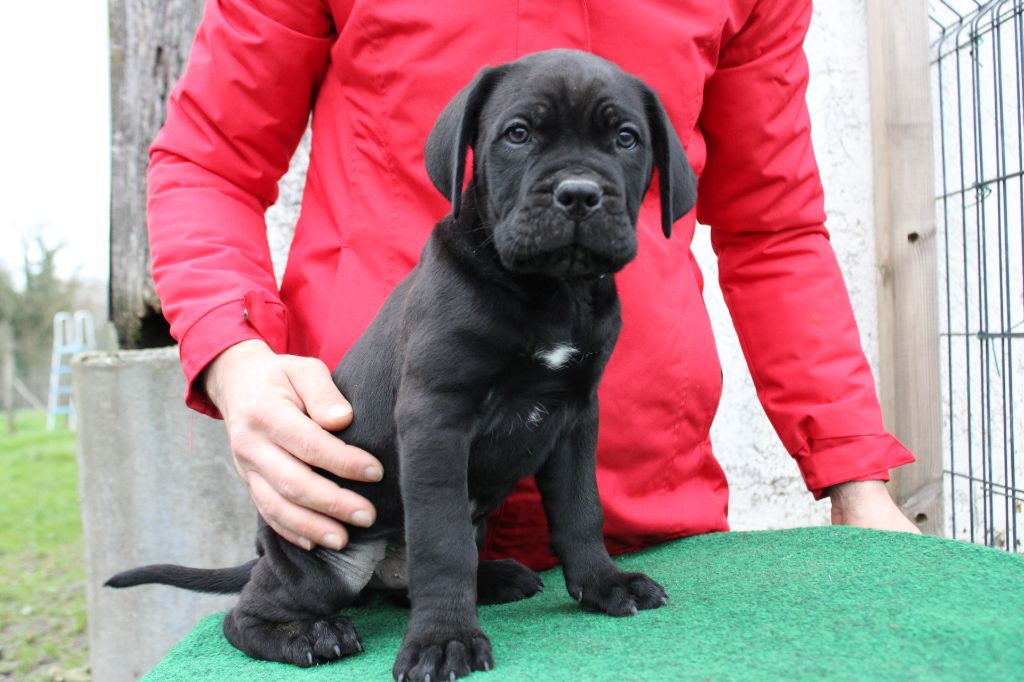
<point x="375" y="74"/>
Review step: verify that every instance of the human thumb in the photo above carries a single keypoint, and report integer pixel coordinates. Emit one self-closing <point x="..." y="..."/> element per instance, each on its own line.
<point x="322" y="400"/>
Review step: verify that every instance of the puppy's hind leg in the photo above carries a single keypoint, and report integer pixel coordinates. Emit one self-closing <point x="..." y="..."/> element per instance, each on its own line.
<point x="288" y="611"/>
<point x="500" y="581"/>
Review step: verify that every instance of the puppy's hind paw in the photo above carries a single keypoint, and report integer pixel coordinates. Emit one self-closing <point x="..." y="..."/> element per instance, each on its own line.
<point x="303" y="643"/>
<point x="505" y="580"/>
<point x="322" y="641"/>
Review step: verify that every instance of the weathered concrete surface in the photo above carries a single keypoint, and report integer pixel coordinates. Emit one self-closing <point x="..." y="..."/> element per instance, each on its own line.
<point x="156" y="486"/>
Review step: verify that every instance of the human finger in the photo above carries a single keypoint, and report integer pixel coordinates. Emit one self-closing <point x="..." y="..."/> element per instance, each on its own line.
<point x="296" y="524"/>
<point x="321" y="399"/>
<point x="297" y="434"/>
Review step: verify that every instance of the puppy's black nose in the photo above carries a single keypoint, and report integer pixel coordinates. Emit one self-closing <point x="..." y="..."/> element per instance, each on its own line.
<point x="579" y="198"/>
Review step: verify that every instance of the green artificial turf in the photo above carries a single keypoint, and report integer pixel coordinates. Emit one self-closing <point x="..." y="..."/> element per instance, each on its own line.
<point x="812" y="603"/>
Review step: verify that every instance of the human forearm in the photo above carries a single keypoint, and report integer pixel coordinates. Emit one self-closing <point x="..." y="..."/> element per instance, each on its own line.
<point x="795" y="323"/>
<point x="233" y="121"/>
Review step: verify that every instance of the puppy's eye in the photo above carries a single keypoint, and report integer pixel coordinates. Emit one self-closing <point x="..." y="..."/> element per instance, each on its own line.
<point x="626" y="138"/>
<point x="518" y="134"/>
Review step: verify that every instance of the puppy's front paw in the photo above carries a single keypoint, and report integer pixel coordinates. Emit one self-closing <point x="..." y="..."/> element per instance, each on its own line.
<point x="619" y="593"/>
<point x="440" y="657"/>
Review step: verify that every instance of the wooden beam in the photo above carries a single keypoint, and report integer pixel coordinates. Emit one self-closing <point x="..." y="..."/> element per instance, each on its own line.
<point x="905" y="228"/>
<point x="149" y="46"/>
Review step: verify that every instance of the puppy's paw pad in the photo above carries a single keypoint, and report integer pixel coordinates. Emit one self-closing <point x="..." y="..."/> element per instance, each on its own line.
<point x="621" y="594"/>
<point x="505" y="580"/>
<point x="442" y="659"/>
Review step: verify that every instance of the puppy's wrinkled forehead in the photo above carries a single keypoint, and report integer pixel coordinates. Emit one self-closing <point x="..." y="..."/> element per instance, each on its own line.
<point x="563" y="88"/>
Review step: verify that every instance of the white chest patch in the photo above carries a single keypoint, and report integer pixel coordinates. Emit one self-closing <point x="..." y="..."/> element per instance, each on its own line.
<point x="556" y="356"/>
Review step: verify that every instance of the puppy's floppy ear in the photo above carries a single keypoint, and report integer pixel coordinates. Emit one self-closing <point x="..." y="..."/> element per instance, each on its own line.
<point x="677" y="182"/>
<point x="454" y="132"/>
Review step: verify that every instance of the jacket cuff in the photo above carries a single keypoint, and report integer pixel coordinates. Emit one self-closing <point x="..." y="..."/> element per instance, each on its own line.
<point x="865" y="459"/>
<point x="256" y="316"/>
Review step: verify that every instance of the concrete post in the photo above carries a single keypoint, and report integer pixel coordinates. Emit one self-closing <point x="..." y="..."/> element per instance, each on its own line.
<point x="156" y="485"/>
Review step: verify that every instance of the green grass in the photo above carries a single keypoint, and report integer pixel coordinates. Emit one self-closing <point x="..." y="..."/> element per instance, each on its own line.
<point x="42" y="590"/>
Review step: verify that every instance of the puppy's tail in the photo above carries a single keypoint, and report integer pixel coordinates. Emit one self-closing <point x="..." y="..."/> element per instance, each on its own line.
<point x="213" y="580"/>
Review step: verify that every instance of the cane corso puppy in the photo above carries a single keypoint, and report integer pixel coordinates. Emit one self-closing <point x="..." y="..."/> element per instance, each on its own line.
<point x="481" y="368"/>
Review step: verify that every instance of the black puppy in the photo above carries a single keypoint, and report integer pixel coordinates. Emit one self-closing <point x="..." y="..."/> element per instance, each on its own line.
<point x="481" y="368"/>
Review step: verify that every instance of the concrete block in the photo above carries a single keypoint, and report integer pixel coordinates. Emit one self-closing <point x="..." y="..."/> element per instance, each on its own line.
<point x="156" y="485"/>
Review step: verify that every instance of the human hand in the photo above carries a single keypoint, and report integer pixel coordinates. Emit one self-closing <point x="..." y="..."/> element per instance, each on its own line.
<point x="276" y="409"/>
<point x="867" y="504"/>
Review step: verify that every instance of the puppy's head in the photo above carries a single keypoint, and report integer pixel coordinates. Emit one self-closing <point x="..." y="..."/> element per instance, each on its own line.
<point x="564" y="147"/>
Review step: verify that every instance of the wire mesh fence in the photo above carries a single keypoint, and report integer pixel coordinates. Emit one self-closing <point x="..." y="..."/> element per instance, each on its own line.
<point x="978" y="88"/>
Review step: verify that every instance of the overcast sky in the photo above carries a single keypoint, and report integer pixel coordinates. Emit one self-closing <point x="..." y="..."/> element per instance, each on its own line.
<point x="55" y="131"/>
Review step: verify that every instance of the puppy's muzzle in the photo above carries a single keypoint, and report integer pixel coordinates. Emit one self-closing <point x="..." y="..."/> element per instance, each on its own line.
<point x="578" y="197"/>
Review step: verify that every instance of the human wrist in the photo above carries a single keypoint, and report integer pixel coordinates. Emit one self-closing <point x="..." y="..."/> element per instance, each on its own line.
<point x="216" y="377"/>
<point x="856" y="492"/>
<point x="867" y="504"/>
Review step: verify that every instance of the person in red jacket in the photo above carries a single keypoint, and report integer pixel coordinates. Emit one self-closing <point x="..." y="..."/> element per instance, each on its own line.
<point x="374" y="75"/>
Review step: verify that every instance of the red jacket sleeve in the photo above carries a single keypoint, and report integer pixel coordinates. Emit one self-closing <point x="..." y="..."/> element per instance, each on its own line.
<point x="233" y="122"/>
<point x="761" y="194"/>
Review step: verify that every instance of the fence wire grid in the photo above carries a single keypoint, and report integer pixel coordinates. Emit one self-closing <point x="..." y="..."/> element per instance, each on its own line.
<point x="977" y="73"/>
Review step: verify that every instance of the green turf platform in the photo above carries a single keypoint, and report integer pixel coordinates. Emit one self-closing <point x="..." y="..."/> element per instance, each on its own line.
<point x="812" y="603"/>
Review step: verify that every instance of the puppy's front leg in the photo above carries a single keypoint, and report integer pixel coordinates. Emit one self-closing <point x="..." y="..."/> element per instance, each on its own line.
<point x="568" y="488"/>
<point x="443" y="639"/>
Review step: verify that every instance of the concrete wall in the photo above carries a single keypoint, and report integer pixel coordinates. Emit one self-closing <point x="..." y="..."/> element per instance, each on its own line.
<point x="156" y="486"/>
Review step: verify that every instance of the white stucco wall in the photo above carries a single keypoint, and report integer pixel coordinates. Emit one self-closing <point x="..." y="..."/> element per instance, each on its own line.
<point x="767" y="491"/>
